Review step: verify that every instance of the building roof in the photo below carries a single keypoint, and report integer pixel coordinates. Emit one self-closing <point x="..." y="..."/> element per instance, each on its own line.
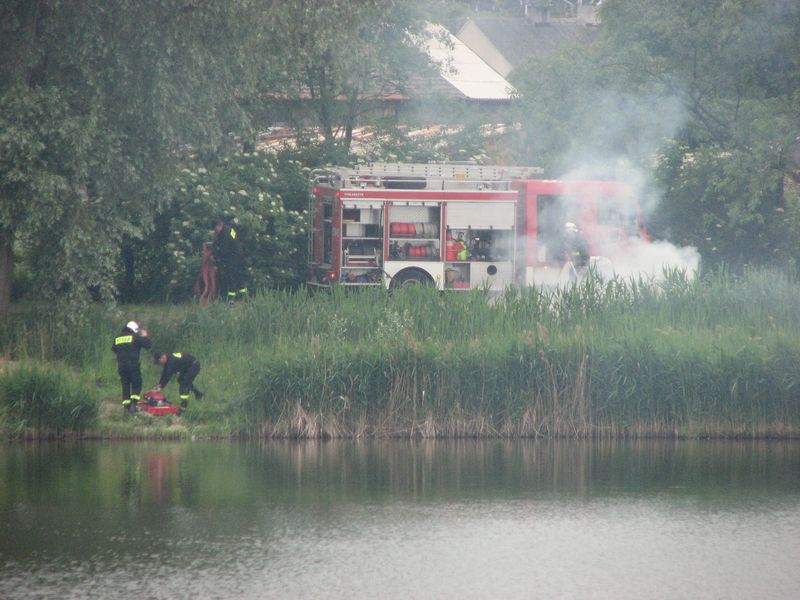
<point x="464" y="70"/>
<point x="519" y="38"/>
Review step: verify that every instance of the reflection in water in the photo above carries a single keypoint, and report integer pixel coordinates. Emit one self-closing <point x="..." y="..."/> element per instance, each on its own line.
<point x="396" y="518"/>
<point x="151" y="478"/>
<point x="574" y="469"/>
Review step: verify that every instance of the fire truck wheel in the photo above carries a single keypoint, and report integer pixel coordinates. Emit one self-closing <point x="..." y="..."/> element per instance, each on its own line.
<point x="410" y="277"/>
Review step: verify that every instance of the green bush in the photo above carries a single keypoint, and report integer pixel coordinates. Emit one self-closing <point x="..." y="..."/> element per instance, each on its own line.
<point x="44" y="398"/>
<point x="263" y="194"/>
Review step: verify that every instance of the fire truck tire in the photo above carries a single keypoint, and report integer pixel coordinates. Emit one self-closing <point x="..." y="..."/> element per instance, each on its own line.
<point x="410" y="277"/>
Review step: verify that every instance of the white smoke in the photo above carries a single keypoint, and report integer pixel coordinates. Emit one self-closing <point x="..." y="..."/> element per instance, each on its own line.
<point x="635" y="257"/>
<point x="629" y="134"/>
<point x="649" y="260"/>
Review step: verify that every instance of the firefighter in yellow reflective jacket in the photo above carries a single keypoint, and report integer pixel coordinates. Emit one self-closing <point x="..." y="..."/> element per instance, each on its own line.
<point x="186" y="366"/>
<point x="461" y="245"/>
<point x="126" y="346"/>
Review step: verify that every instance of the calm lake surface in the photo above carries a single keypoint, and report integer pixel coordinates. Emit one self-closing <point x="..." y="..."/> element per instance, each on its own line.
<point x="400" y="519"/>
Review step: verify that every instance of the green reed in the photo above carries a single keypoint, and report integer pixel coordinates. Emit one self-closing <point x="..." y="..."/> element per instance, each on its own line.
<point x="710" y="356"/>
<point x="43" y="400"/>
<point x="679" y="357"/>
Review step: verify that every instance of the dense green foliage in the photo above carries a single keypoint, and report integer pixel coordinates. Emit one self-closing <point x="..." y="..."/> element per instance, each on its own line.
<point x="263" y="195"/>
<point x="94" y="100"/>
<point x="44" y="399"/>
<point x="714" y="356"/>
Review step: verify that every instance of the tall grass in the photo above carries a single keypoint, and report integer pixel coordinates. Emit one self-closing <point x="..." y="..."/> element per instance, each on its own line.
<point x="34" y="332"/>
<point x="715" y="356"/>
<point x="681" y="357"/>
<point x="44" y="400"/>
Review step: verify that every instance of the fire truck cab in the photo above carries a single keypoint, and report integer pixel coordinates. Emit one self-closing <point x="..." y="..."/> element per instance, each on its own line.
<point x="456" y="226"/>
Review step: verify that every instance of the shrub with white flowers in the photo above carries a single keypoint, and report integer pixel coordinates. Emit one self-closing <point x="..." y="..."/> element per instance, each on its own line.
<point x="263" y="195"/>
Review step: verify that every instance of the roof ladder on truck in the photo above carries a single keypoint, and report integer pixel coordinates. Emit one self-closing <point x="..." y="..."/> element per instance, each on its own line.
<point x="428" y="176"/>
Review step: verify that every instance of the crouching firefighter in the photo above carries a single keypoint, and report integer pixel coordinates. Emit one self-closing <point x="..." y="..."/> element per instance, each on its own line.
<point x="126" y="346"/>
<point x="186" y="366"/>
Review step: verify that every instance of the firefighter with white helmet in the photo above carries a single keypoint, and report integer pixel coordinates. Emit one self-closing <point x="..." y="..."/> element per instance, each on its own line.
<point x="126" y="346"/>
<point x="576" y="249"/>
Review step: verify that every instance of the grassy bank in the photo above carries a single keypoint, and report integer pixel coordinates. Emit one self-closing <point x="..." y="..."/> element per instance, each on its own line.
<point x="713" y="357"/>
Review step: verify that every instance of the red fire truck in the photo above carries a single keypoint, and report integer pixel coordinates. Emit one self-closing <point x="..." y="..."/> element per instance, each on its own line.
<point x="459" y="226"/>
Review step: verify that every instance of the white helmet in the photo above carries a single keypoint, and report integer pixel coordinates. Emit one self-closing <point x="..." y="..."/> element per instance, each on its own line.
<point x="133" y="326"/>
<point x="571" y="227"/>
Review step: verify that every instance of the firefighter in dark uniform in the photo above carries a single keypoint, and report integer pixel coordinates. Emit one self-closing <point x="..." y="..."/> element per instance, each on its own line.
<point x="126" y="346"/>
<point x="231" y="274"/>
<point x="186" y="366"/>
<point x="575" y="247"/>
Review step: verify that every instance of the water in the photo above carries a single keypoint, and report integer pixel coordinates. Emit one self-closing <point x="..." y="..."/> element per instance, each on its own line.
<point x="400" y="520"/>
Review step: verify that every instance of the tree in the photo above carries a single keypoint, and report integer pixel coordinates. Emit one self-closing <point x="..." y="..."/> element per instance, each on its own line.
<point x="731" y="62"/>
<point x="340" y="57"/>
<point x="95" y="98"/>
<point x="728" y="204"/>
